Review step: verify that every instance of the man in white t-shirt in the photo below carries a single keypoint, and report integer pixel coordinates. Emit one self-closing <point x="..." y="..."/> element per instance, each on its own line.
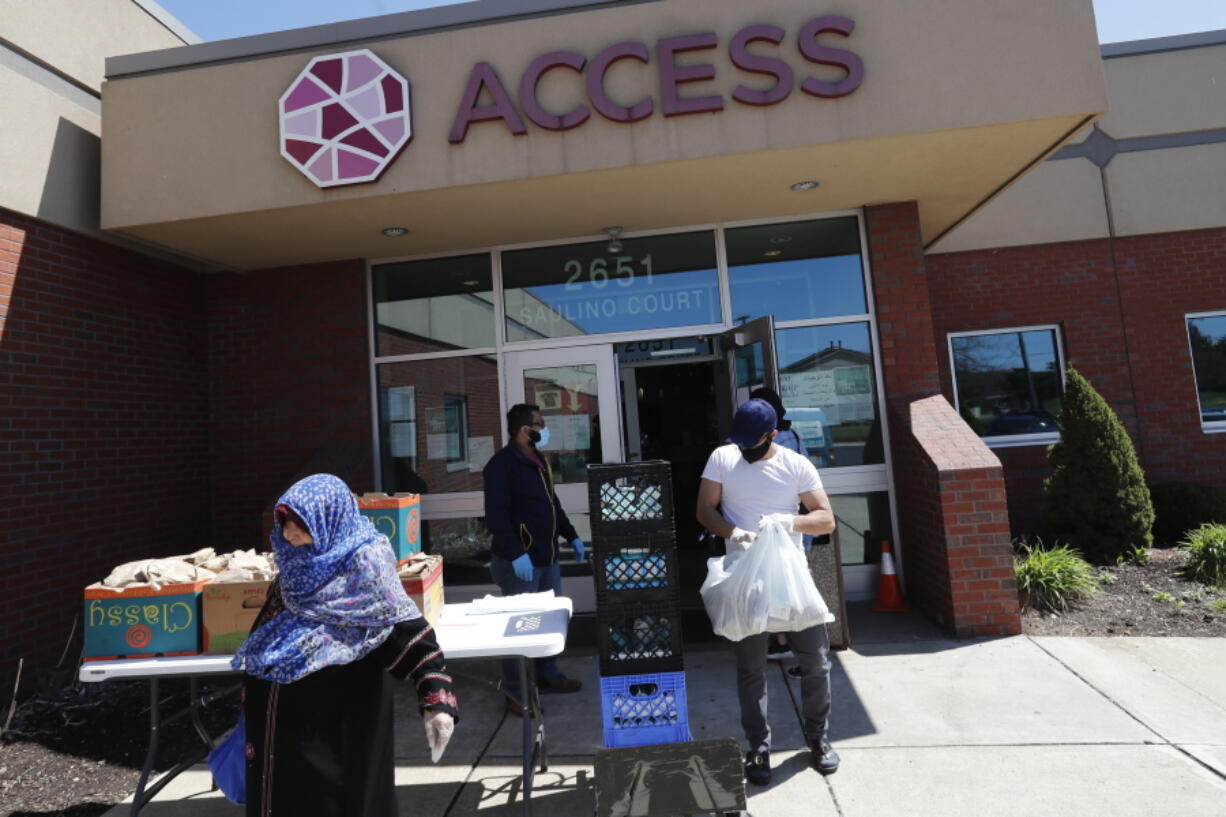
<point x="747" y="483"/>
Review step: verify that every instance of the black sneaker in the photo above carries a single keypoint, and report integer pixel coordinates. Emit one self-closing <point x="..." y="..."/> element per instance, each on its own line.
<point x="758" y="768"/>
<point x="825" y="759"/>
<point x="795" y="672"/>
<point x="777" y="651"/>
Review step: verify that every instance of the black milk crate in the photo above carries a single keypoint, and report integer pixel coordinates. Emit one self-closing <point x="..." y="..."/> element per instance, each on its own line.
<point x="639" y="638"/>
<point x="629" y="498"/>
<point x="639" y="568"/>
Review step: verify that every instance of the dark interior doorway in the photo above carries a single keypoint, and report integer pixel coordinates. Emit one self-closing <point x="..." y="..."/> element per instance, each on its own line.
<point x="679" y="421"/>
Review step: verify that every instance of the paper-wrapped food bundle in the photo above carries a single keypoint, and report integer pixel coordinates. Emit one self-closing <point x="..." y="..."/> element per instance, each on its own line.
<point x="422" y="577"/>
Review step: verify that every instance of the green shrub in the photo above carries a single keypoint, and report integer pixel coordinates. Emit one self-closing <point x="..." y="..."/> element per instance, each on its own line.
<point x="1053" y="578"/>
<point x="1097" y="500"/>
<point x="1183" y="506"/>
<point x="1206" y="547"/>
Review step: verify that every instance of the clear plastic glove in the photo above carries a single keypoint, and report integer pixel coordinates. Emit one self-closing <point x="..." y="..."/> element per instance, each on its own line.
<point x="741" y="539"/>
<point x="439" y="726"/>
<point x="580" y="550"/>
<point x="787" y="521"/>
<point x="523" y="568"/>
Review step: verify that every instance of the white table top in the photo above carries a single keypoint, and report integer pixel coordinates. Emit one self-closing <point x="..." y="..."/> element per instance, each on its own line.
<point x="461" y="634"/>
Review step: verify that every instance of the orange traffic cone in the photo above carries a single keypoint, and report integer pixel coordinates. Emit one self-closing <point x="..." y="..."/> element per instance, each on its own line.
<point x="889" y="594"/>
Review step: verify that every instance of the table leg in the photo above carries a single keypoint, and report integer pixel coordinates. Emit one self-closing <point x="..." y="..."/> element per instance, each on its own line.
<point x="530" y="712"/>
<point x="151" y="755"/>
<point x="194" y="702"/>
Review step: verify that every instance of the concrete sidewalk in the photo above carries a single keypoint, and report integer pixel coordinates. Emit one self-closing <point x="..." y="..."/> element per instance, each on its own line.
<point x="925" y="725"/>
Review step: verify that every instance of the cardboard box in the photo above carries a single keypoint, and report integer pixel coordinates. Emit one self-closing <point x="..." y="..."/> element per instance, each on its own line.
<point x="228" y="611"/>
<point x="398" y="517"/>
<point x="425" y="588"/>
<point x="141" y="622"/>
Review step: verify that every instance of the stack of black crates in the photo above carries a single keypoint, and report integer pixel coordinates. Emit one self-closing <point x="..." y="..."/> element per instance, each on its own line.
<point x="638" y="604"/>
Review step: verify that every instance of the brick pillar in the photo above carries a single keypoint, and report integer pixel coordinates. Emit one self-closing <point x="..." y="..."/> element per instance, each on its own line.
<point x="950" y="491"/>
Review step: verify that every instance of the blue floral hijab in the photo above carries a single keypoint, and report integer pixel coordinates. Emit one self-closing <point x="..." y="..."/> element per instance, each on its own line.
<point x="341" y="593"/>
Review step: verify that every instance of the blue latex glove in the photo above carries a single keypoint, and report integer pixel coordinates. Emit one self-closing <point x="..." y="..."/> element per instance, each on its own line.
<point x="523" y="568"/>
<point x="580" y="550"/>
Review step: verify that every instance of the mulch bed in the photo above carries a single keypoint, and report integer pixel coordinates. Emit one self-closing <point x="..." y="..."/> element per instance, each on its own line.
<point x="78" y="751"/>
<point x="1153" y="599"/>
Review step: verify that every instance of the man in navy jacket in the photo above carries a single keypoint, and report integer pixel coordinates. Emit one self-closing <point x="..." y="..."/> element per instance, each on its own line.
<point x="524" y="515"/>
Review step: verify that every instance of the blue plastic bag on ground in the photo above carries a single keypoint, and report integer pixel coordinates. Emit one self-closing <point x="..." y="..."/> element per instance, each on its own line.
<point x="228" y="763"/>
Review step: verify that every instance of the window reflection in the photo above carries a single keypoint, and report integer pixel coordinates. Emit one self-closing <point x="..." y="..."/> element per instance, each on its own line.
<point x="1009" y="382"/>
<point x="828" y="386"/>
<point x="439" y="423"/>
<point x="1208" y="338"/>
<point x="433" y="305"/>
<point x="864" y="521"/>
<point x="796" y="271"/>
<point x="570" y="406"/>
<point x="583" y="289"/>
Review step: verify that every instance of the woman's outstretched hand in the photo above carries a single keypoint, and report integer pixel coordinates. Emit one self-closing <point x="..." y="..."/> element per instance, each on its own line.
<point x="439" y="726"/>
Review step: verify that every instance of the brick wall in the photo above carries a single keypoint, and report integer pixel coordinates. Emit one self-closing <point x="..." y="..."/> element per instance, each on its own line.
<point x="289" y="388"/>
<point x="1120" y="305"/>
<point x="103" y="426"/>
<point x="952" y="515"/>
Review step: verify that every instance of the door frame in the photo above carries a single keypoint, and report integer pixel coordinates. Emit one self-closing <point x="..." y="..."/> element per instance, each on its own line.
<point x="573" y="495"/>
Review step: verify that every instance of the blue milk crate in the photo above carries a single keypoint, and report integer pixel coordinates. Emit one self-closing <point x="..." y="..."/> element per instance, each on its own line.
<point x="640" y="710"/>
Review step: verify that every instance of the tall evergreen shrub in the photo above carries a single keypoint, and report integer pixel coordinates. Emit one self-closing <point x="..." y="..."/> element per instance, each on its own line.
<point x="1097" y="499"/>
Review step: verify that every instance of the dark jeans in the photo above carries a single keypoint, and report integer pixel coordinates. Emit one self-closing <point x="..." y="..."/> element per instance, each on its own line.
<point x="543" y="578"/>
<point x="812" y="650"/>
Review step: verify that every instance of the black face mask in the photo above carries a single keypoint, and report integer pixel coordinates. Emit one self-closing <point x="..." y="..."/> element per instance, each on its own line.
<point x="756" y="453"/>
<point x="534" y="435"/>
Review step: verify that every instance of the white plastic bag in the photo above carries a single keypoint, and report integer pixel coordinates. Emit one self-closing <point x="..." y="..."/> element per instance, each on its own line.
<point x="766" y="589"/>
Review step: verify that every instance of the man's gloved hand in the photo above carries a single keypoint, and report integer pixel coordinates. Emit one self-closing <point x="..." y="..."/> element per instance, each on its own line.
<point x="787" y="521"/>
<point x="741" y="539"/>
<point x="580" y="550"/>
<point x="439" y="726"/>
<point x="523" y="568"/>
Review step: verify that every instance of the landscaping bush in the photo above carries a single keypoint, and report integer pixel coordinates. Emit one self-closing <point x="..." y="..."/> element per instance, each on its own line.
<point x="1053" y="578"/>
<point x="1180" y="507"/>
<point x="1097" y="500"/>
<point x="1206" y="547"/>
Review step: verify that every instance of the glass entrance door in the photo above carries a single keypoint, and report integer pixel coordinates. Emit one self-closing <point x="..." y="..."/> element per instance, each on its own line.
<point x="577" y="391"/>
<point x="750" y="363"/>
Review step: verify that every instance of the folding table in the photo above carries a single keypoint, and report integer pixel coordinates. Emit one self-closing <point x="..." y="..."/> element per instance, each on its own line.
<point x="463" y="632"/>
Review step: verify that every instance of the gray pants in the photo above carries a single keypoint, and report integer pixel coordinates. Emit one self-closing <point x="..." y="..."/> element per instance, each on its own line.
<point x="811" y="648"/>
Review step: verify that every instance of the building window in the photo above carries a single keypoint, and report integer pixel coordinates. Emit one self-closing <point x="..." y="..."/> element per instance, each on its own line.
<point x="796" y="271"/>
<point x="437" y="305"/>
<point x="585" y="289"/>
<point x="440" y="422"/>
<point x="1207" y="335"/>
<point x="828" y="385"/>
<point x="1008" y="383"/>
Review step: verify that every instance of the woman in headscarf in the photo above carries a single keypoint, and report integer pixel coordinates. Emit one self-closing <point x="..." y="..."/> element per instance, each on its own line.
<point x="336" y="629"/>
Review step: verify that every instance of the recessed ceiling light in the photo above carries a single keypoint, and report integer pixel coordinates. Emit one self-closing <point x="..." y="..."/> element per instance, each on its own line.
<point x="801" y="187"/>
<point x="471" y="283"/>
<point x="395" y="232"/>
<point x="772" y="253"/>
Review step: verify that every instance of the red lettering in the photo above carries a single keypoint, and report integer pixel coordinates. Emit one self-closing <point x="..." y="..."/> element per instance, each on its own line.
<point x="672" y="75"/>
<point x="532" y="77"/>
<point x="738" y="51"/>
<point x="485" y="78"/>
<point x="595" y="83"/>
<point x="837" y="57"/>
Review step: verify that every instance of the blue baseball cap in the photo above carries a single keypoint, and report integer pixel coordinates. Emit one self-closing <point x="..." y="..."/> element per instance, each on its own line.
<point x="753" y="419"/>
